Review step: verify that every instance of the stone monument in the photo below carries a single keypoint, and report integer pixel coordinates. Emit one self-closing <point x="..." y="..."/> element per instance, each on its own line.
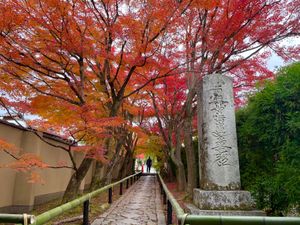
<point x="218" y="153"/>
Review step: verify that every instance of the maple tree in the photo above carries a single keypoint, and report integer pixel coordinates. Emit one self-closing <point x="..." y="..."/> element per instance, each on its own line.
<point x="233" y="37"/>
<point x="27" y="162"/>
<point x="167" y="97"/>
<point x="85" y="67"/>
<point x="74" y="64"/>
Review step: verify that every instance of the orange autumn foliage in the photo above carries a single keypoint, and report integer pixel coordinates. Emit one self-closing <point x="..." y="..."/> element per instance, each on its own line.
<point x="85" y="68"/>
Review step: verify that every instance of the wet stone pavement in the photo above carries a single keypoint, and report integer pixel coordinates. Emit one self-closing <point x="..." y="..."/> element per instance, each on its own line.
<point x="140" y="205"/>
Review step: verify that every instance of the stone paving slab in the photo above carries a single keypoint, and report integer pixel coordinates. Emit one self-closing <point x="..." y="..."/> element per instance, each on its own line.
<point x="140" y="205"/>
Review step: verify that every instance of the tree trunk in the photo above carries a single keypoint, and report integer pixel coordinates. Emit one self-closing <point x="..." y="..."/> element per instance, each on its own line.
<point x="169" y="172"/>
<point x="124" y="168"/>
<point x="114" y="162"/>
<point x="180" y="176"/>
<point x="189" y="150"/>
<point x="129" y="168"/>
<point x="118" y="174"/>
<point x="72" y="189"/>
<point x="176" y="157"/>
<point x="180" y="172"/>
<point x="107" y="178"/>
<point x="127" y="165"/>
<point x="96" y="177"/>
<point x="109" y="175"/>
<point x="97" y="180"/>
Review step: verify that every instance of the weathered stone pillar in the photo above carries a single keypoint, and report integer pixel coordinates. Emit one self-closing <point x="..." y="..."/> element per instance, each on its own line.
<point x="217" y="134"/>
<point x="218" y="154"/>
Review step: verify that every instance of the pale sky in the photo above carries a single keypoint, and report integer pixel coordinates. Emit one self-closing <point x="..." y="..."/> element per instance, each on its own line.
<point x="275" y="61"/>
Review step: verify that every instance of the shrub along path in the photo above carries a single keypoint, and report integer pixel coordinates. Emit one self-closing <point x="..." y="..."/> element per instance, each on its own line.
<point x="140" y="205"/>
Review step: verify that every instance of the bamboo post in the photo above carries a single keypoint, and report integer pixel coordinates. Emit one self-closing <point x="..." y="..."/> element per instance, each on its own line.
<point x="86" y="208"/>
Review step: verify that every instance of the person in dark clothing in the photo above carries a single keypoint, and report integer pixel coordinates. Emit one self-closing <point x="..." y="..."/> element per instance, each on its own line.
<point x="149" y="164"/>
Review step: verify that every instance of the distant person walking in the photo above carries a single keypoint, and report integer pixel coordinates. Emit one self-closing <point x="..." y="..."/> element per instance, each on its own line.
<point x="149" y="164"/>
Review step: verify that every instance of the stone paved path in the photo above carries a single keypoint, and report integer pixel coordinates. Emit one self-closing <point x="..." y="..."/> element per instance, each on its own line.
<point x="140" y="205"/>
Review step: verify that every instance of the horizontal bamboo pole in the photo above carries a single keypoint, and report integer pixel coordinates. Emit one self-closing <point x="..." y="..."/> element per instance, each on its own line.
<point x="16" y="218"/>
<point x="178" y="210"/>
<point x="239" y="220"/>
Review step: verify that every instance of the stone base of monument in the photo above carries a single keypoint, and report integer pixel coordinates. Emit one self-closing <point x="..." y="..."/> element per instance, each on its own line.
<point x="223" y="200"/>
<point x="192" y="209"/>
<point x="226" y="203"/>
